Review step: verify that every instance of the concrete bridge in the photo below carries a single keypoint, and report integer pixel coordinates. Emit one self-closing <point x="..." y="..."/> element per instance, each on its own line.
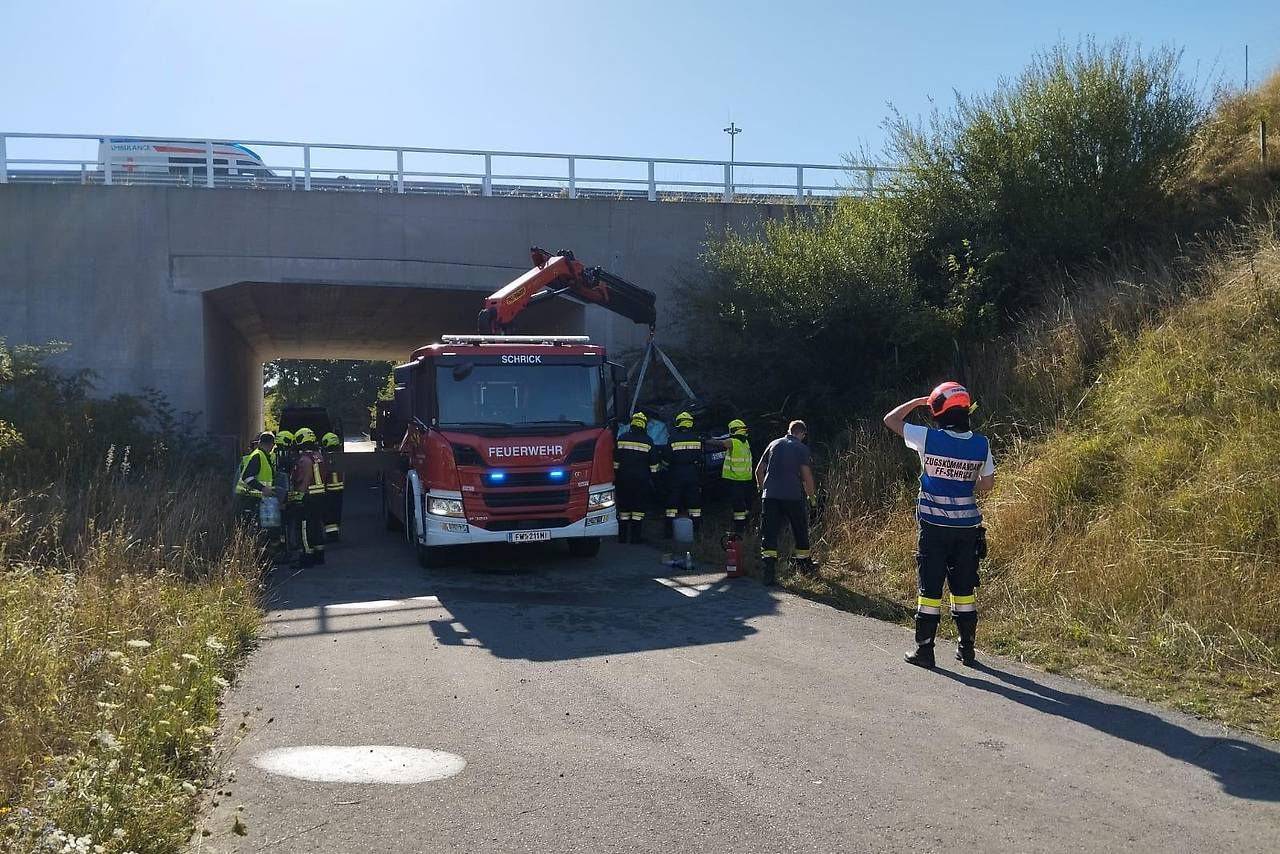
<point x="190" y="291"/>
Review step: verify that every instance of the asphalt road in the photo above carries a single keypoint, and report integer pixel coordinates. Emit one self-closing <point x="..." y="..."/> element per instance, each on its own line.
<point x="601" y="710"/>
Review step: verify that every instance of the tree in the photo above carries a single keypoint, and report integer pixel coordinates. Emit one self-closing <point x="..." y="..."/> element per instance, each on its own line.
<point x="347" y="388"/>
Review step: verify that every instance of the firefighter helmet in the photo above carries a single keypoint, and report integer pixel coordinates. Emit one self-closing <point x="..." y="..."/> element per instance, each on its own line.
<point x="949" y="395"/>
<point x="284" y="438"/>
<point x="639" y="419"/>
<point x="330" y="440"/>
<point x="684" y="419"/>
<point x="737" y="425"/>
<point x="304" y="436"/>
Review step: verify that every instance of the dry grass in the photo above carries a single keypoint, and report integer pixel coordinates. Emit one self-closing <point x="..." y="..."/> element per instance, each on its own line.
<point x="1135" y="541"/>
<point x="1224" y="173"/>
<point x="124" y="607"/>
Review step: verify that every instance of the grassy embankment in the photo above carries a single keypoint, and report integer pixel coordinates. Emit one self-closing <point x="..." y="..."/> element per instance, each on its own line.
<point x="127" y="598"/>
<point x="1136" y="544"/>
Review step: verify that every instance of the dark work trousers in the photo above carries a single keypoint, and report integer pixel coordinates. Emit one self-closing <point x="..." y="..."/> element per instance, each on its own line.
<point x="946" y="554"/>
<point x="774" y="512"/>
<point x="313" y="506"/>
<point x="293" y="526"/>
<point x="333" y="511"/>
<point x="632" y="495"/>
<point x="741" y="492"/>
<point x="683" y="492"/>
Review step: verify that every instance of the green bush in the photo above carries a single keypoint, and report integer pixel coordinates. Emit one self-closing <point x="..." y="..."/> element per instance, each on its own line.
<point x="834" y="312"/>
<point x="810" y="314"/>
<point x="1066" y="162"/>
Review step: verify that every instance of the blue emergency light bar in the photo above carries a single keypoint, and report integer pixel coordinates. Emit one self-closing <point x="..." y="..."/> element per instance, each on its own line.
<point x="557" y="474"/>
<point x="496" y="476"/>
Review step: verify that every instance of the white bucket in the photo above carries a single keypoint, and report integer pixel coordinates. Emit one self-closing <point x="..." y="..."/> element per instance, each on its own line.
<point x="682" y="529"/>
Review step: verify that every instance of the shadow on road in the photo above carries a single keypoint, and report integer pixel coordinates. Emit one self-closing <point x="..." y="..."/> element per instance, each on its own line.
<point x="534" y="603"/>
<point x="1242" y="769"/>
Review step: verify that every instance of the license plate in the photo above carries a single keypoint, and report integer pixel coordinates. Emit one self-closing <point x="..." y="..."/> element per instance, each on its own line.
<point x="528" y="536"/>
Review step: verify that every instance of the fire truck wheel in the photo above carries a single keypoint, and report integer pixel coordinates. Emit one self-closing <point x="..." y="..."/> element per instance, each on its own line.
<point x="584" y="546"/>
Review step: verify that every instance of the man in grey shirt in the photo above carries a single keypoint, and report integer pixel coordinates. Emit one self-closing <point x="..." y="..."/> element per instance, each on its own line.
<point x="785" y="478"/>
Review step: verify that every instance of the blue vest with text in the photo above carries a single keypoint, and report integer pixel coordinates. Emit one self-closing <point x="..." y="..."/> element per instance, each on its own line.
<point x="951" y="469"/>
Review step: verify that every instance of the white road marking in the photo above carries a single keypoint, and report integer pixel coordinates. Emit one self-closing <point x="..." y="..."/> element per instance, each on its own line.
<point x="690" y="590"/>
<point x="372" y="605"/>
<point x="367" y="763"/>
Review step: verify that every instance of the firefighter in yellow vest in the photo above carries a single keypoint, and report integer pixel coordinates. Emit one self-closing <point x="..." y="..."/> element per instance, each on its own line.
<point x="309" y="477"/>
<point x="333" y="488"/>
<point x="738" y="473"/>
<point x="257" y="476"/>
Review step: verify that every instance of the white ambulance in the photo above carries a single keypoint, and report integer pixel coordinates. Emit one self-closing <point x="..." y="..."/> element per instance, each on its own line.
<point x="182" y="160"/>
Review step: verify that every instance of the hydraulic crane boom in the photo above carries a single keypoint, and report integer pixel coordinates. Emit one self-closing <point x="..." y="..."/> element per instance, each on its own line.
<point x="563" y="275"/>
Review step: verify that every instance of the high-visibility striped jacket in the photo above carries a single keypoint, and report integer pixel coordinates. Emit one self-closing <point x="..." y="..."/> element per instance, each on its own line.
<point x="685" y="449"/>
<point x="310" y="473"/>
<point x="634" y="453"/>
<point x="737" y="462"/>
<point x="256" y="473"/>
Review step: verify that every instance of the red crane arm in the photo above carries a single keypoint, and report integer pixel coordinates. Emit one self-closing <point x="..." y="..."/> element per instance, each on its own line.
<point x="564" y="275"/>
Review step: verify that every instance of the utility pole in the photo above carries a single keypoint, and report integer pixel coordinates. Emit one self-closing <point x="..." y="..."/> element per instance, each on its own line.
<point x="733" y="130"/>
<point x="1246" y="68"/>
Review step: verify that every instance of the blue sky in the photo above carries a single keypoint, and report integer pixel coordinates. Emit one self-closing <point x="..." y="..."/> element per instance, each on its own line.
<point x="808" y="81"/>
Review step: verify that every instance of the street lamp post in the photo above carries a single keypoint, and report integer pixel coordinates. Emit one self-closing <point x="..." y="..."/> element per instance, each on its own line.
<point x="733" y="130"/>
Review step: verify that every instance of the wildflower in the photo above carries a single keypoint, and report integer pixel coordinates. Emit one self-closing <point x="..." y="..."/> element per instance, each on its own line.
<point x="188" y="788"/>
<point x="110" y="707"/>
<point x="190" y="659"/>
<point x="220" y="682"/>
<point x="138" y="644"/>
<point x="124" y="461"/>
<point x="118" y="833"/>
<point x="107" y="740"/>
<point x="168" y="689"/>
<point x="214" y="644"/>
<point x="116" y="655"/>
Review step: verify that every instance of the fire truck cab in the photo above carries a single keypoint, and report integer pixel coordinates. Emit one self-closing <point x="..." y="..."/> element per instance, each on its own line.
<point x="506" y="438"/>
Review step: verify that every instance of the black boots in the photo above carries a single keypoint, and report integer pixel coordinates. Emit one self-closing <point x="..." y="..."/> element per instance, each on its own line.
<point x="967" y="626"/>
<point x="926" y="629"/>
<point x="630" y="531"/>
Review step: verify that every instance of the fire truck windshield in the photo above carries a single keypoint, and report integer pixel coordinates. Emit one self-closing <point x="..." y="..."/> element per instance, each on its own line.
<point x="519" y="397"/>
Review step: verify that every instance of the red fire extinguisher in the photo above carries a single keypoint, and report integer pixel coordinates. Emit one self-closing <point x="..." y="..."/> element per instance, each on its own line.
<point x="732" y="545"/>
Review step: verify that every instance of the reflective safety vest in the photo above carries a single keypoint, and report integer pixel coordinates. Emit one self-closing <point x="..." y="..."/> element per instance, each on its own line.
<point x="952" y="466"/>
<point x="259" y="466"/>
<point x="737" y="462"/>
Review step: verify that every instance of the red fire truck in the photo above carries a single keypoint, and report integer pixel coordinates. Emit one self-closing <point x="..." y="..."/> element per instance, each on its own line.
<point x="509" y="438"/>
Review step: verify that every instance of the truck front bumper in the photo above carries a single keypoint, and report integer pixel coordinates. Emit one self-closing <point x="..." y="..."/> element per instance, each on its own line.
<point x="449" y="531"/>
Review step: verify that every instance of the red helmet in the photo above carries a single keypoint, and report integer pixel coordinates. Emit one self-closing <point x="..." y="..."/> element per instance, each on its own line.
<point x="948" y="396"/>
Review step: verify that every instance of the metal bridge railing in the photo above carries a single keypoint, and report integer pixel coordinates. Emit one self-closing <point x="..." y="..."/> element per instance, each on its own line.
<point x="441" y="171"/>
